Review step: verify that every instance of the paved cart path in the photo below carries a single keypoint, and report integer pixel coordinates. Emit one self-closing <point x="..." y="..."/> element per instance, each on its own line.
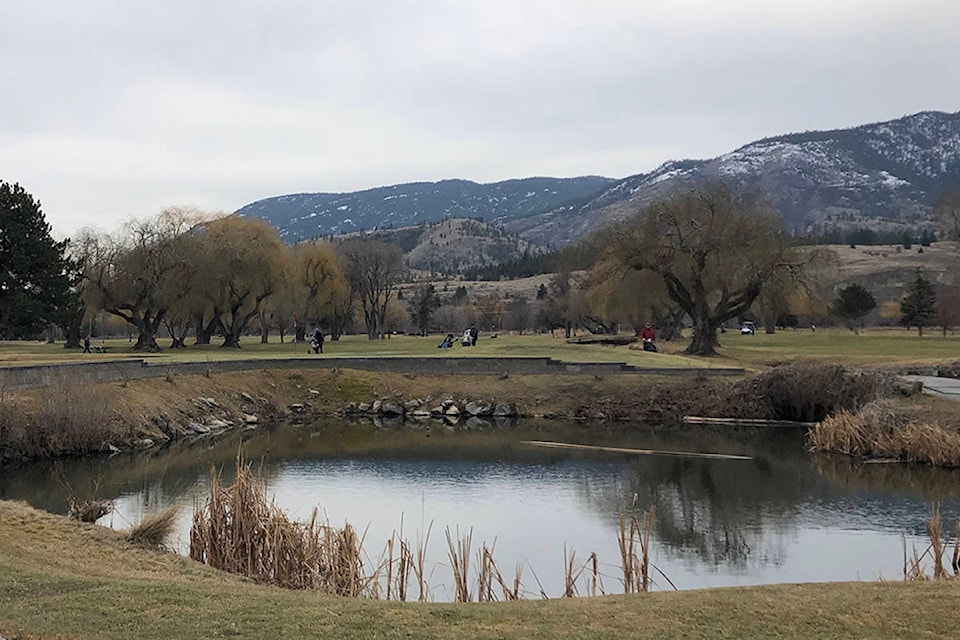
<point x="944" y="387"/>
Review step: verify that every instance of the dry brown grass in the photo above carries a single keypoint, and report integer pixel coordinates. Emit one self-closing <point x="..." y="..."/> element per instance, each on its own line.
<point x="154" y="528"/>
<point x="879" y="430"/>
<point x="65" y="418"/>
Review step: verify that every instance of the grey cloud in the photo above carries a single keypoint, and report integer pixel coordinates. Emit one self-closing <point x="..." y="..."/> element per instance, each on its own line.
<point x="116" y="108"/>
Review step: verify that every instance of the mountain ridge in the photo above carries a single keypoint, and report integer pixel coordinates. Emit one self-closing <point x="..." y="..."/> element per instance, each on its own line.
<point x="308" y="215"/>
<point x="883" y="175"/>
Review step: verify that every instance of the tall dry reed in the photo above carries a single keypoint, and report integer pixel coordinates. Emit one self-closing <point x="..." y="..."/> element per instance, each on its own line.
<point x="458" y="550"/>
<point x="242" y="532"/>
<point x="401" y="564"/>
<point x="573" y="573"/>
<point x="913" y="565"/>
<point x="878" y="431"/>
<point x="631" y="534"/>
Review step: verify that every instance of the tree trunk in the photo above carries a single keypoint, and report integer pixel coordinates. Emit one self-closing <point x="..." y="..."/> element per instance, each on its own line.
<point x="204" y="332"/>
<point x="264" y="328"/>
<point x="769" y="326"/>
<point x="300" y="332"/>
<point x="146" y="342"/>
<point x="704" y="341"/>
<point x="73" y="331"/>
<point x="230" y="341"/>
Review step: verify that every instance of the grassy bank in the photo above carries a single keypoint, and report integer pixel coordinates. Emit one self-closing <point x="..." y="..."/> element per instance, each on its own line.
<point x="106" y="588"/>
<point x="70" y="418"/>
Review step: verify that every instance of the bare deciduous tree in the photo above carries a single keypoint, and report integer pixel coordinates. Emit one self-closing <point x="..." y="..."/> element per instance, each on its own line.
<point x="373" y="269"/>
<point x="947" y="214"/>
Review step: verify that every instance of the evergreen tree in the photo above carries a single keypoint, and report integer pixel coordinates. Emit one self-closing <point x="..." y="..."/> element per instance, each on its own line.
<point x="853" y="303"/>
<point x="424" y="302"/>
<point x="919" y="306"/>
<point x="34" y="281"/>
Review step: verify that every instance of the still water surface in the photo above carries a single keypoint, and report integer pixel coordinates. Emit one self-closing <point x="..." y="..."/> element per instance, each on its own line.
<point x="782" y="516"/>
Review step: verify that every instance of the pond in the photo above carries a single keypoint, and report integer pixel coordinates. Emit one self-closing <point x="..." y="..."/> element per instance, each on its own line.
<point x="780" y="515"/>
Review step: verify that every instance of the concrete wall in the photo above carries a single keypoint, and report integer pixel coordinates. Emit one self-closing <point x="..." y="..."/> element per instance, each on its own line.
<point x="24" y="377"/>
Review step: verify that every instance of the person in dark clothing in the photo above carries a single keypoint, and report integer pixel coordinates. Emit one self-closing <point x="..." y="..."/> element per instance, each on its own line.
<point x="649" y="336"/>
<point x="473" y="336"/>
<point x="86" y="345"/>
<point x="317" y="342"/>
<point x="447" y="342"/>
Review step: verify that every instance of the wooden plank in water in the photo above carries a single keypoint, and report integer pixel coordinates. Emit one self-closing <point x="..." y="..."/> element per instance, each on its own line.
<point x="644" y="452"/>
<point x="746" y="422"/>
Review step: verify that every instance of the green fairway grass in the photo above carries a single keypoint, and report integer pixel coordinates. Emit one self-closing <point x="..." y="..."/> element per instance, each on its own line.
<point x="879" y="347"/>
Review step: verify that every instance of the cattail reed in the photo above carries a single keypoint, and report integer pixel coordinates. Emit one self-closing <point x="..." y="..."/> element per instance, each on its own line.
<point x="459" y="554"/>
<point x="934" y="530"/>
<point x="240" y="531"/>
<point x="630" y="533"/>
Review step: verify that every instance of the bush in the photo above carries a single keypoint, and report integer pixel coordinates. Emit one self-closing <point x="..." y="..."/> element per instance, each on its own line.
<point x="808" y="392"/>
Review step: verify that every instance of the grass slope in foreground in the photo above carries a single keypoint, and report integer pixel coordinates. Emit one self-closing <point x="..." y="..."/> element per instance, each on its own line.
<point x="64" y="579"/>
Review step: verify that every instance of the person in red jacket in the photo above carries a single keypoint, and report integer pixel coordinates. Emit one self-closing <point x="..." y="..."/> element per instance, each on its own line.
<point x="649" y="336"/>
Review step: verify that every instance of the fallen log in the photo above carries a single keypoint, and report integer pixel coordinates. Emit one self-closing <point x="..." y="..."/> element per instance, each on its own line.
<point x="645" y="452"/>
<point x="746" y="422"/>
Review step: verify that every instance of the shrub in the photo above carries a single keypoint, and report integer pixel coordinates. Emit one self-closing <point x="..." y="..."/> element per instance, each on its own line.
<point x="808" y="392"/>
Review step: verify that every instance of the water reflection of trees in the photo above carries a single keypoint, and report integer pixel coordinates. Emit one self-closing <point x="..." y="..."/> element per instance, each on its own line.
<point x="710" y="512"/>
<point x="717" y="512"/>
<point x="160" y="475"/>
<point x="932" y="483"/>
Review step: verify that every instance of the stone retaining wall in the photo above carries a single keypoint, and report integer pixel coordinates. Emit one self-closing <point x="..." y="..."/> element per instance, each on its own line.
<point x="24" y="377"/>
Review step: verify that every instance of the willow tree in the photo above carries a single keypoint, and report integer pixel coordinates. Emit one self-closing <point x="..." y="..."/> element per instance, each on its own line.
<point x="714" y="252"/>
<point x="245" y="267"/>
<point x="634" y="297"/>
<point x="136" y="274"/>
<point x="317" y="283"/>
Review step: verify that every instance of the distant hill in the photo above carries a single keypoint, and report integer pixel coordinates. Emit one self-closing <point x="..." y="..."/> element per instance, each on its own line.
<point x="883" y="176"/>
<point x="309" y="215"/>
<point x="455" y="245"/>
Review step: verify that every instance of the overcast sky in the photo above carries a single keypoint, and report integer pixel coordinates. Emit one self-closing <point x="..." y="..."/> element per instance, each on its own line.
<point x="113" y="109"/>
